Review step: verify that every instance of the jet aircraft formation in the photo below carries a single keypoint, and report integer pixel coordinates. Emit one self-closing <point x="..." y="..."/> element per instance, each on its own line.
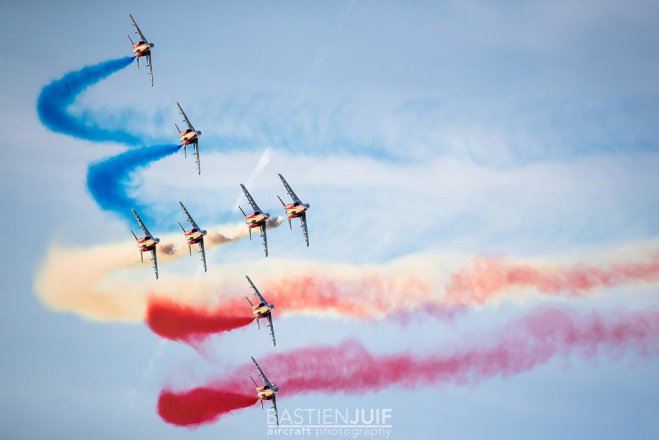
<point x="195" y="235"/>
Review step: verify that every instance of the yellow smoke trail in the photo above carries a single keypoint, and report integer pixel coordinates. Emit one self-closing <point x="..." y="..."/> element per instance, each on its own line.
<point x="87" y="281"/>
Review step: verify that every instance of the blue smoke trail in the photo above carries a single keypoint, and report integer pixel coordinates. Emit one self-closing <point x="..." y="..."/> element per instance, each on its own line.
<point x="57" y="96"/>
<point x="109" y="180"/>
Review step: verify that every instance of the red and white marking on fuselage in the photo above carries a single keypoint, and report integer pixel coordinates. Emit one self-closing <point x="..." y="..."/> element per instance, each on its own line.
<point x="141" y="49"/>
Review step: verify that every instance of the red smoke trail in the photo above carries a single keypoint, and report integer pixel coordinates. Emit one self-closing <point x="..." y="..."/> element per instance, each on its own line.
<point x="367" y="297"/>
<point x="191" y="324"/>
<point x="520" y="346"/>
<point x="176" y="320"/>
<point x="488" y="278"/>
<point x="200" y="405"/>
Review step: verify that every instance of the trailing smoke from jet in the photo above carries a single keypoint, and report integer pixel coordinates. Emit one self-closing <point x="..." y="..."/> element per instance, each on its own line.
<point x="55" y="98"/>
<point x="109" y="180"/>
<point x="414" y="286"/>
<point x="351" y="368"/>
<point x="487" y="279"/>
<point x="181" y="322"/>
<point x="88" y="294"/>
<point x="200" y="406"/>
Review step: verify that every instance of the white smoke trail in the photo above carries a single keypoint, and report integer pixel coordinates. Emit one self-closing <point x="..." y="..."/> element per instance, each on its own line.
<point x="263" y="162"/>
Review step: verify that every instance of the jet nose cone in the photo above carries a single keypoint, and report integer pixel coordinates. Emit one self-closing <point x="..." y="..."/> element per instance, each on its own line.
<point x="272" y="306"/>
<point x="157" y="240"/>
<point x="199" y="133"/>
<point x="152" y="45"/>
<point x="275" y="389"/>
<point x="204" y="232"/>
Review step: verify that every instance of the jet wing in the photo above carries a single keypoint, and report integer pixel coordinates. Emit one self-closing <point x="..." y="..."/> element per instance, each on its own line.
<point x="303" y="225"/>
<point x="187" y="214"/>
<point x="137" y="29"/>
<point x="251" y="201"/>
<point x="265" y="239"/>
<point x="154" y="258"/>
<point x="144" y="229"/>
<point x="203" y="254"/>
<point x="149" y="64"/>
<point x="185" y="118"/>
<point x="256" y="291"/>
<point x="272" y="329"/>
<point x="274" y="406"/>
<point x="265" y="379"/>
<point x="289" y="190"/>
<point x="196" y="153"/>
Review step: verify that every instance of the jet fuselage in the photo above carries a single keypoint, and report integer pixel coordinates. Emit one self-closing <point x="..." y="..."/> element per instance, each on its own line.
<point x="294" y="210"/>
<point x="266" y="393"/>
<point x="255" y="220"/>
<point x="146" y="244"/>
<point x="194" y="236"/>
<point x="141" y="48"/>
<point x="189" y="136"/>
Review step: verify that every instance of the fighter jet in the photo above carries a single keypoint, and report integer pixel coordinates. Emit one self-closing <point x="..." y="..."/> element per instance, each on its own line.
<point x="262" y="310"/>
<point x="194" y="235"/>
<point x="256" y="219"/>
<point x="147" y="243"/>
<point x="267" y="391"/>
<point x="295" y="210"/>
<point x="189" y="136"/>
<point x="142" y="48"/>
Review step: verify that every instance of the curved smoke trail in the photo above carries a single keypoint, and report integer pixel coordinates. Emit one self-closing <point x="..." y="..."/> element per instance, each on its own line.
<point x="55" y="99"/>
<point x="350" y="368"/>
<point x="109" y="180"/>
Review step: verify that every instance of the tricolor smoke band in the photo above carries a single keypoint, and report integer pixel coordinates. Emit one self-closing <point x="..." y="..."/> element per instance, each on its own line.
<point x="435" y="284"/>
<point x="56" y="98"/>
<point x="350" y="368"/>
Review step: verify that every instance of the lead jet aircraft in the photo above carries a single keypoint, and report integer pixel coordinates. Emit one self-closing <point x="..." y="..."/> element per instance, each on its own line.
<point x="194" y="235"/>
<point x="142" y="48"/>
<point x="256" y="219"/>
<point x="262" y="310"/>
<point x="267" y="391"/>
<point x="189" y="136"/>
<point x="295" y="210"/>
<point x="147" y="243"/>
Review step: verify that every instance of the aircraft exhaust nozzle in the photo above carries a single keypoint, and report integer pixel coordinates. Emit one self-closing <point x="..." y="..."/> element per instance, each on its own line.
<point x="199" y="133"/>
<point x="152" y="45"/>
<point x="275" y="389"/>
<point x="272" y="306"/>
<point x="157" y="240"/>
<point x="204" y="232"/>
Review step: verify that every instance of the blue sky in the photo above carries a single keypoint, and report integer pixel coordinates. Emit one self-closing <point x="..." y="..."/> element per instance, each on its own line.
<point x="484" y="128"/>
